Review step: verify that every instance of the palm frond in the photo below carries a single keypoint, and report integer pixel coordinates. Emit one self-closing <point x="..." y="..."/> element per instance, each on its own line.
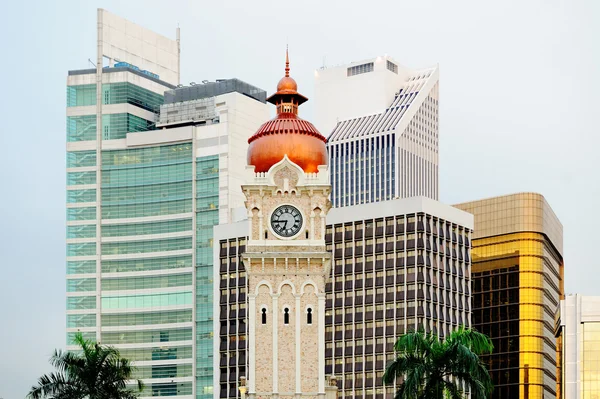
<point x="49" y="385"/>
<point x="98" y="372"/>
<point x="429" y="368"/>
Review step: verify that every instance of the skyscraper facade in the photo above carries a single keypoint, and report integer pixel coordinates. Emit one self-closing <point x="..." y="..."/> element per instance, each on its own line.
<point x="383" y="127"/>
<point x="517" y="286"/>
<point x="396" y="266"/>
<point x="148" y="176"/>
<point x="578" y="327"/>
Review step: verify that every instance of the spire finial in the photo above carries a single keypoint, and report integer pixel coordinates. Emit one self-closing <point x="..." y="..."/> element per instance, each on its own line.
<point x="287" y="62"/>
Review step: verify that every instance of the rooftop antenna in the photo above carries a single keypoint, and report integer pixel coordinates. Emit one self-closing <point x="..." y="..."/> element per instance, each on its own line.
<point x="90" y="61"/>
<point x="178" y="38"/>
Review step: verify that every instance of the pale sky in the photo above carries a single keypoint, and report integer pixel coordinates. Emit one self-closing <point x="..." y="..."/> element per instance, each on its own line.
<point x="519" y="108"/>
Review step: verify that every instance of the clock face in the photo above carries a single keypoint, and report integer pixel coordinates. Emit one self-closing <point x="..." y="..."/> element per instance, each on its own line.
<point x="286" y="221"/>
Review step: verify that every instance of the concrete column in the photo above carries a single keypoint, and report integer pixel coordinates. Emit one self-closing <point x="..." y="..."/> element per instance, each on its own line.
<point x="321" y="332"/>
<point x="252" y="344"/>
<point x="275" y="312"/>
<point x="299" y="312"/>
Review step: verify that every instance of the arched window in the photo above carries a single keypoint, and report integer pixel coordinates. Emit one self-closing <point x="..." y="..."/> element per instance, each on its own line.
<point x="309" y="316"/>
<point x="286" y="316"/>
<point x="263" y="316"/>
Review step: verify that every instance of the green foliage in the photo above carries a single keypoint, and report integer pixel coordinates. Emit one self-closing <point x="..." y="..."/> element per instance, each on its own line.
<point x="98" y="372"/>
<point x="427" y="368"/>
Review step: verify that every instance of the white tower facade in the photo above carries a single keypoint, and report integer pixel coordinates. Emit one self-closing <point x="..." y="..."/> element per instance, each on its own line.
<point x="287" y="265"/>
<point x="286" y="260"/>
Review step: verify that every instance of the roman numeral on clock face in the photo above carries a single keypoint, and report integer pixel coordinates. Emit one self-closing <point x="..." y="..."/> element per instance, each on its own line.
<point x="286" y="220"/>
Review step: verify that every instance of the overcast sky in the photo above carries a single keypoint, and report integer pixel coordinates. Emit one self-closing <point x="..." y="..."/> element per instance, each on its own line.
<point x="520" y="100"/>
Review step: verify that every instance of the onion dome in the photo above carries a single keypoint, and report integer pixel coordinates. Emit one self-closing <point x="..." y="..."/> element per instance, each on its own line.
<point x="287" y="134"/>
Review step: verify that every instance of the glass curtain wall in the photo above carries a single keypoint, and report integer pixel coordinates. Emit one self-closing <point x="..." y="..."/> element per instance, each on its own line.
<point x="207" y="216"/>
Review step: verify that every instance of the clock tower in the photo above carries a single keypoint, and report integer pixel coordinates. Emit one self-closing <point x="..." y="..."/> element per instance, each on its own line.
<point x="287" y="198"/>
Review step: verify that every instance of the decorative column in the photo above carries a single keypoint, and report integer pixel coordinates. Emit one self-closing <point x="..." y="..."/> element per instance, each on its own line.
<point x="252" y="345"/>
<point x="298" y="346"/>
<point x="275" y="312"/>
<point x="321" y="300"/>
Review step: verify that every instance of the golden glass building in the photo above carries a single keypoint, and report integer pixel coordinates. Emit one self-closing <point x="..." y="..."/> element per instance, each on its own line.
<point x="517" y="285"/>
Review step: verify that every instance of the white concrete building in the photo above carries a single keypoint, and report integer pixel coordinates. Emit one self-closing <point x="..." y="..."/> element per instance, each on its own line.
<point x="381" y="120"/>
<point x="578" y="327"/>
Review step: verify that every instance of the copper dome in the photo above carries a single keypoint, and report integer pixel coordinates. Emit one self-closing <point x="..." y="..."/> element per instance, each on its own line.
<point x="287" y="84"/>
<point x="287" y="134"/>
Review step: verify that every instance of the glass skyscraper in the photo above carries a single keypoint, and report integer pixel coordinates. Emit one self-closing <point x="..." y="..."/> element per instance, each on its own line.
<point x="517" y="286"/>
<point x="148" y="176"/>
<point x="129" y="228"/>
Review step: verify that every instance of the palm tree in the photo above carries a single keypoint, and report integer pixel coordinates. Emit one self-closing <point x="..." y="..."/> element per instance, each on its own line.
<point x="427" y="368"/>
<point x="99" y="372"/>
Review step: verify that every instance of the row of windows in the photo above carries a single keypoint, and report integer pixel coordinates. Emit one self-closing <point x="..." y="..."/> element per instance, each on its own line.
<point x="207" y="187"/>
<point x="81" y="249"/>
<point x="163" y="371"/>
<point x="138" y="283"/>
<point x="78" y="178"/>
<point x="114" y="93"/>
<point x="133" y="229"/>
<point x="114" y="126"/>
<point x="147" y="301"/>
<point x="81" y="128"/>
<point x="145" y="210"/>
<point x="358" y="265"/>
<point x="146" y="354"/>
<point x="81" y="284"/>
<point x="87" y="335"/>
<point x="139" y="265"/>
<point x="136" y="319"/>
<point x="358" y="292"/>
<point x="392" y="67"/>
<point x="139" y="337"/>
<point x="387" y="342"/>
<point x="145" y="194"/>
<point x="87" y="213"/>
<point x="150" y="156"/>
<point x="398" y="225"/>
<point x="358" y="69"/>
<point x="81" y="320"/>
<point x="81" y="302"/>
<point x="125" y="92"/>
<point x="146" y="175"/>
<point x="286" y="316"/>
<point x="81" y="266"/>
<point x="80" y="159"/>
<point x="81" y="95"/>
<point x="207" y="167"/>
<point x="136" y="247"/>
<point x="352" y="182"/>
<point x="75" y="196"/>
<point x="169" y="389"/>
